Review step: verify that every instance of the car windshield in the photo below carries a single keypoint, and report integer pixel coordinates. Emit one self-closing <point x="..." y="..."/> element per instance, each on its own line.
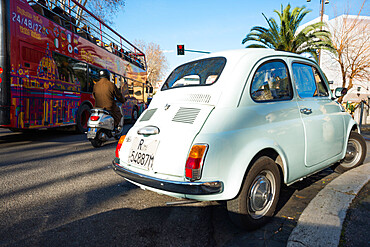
<point x="197" y="73"/>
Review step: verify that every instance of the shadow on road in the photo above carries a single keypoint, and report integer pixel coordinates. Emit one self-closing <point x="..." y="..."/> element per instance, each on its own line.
<point x="87" y="216"/>
<point x="156" y="226"/>
<point x="200" y="224"/>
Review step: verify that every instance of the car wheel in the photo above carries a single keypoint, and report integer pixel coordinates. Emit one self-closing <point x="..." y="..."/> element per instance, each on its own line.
<point x="255" y="205"/>
<point x="355" y="153"/>
<point x="83" y="115"/>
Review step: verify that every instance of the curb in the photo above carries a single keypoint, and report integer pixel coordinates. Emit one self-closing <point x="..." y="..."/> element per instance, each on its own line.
<point x="321" y="222"/>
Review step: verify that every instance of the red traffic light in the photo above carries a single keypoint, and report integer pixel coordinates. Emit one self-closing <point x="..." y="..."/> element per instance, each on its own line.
<point x="180" y="50"/>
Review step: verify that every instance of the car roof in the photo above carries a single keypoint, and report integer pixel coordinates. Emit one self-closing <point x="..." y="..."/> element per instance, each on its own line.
<point x="253" y="52"/>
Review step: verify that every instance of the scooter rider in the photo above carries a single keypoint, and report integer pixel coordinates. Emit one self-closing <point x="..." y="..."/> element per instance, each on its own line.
<point x="105" y="93"/>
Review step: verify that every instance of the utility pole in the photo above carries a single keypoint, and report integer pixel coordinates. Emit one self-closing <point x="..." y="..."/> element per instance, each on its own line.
<point x="321" y="19"/>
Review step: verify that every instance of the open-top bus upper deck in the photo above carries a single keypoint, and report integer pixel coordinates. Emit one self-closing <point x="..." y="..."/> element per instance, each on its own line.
<point x="49" y="59"/>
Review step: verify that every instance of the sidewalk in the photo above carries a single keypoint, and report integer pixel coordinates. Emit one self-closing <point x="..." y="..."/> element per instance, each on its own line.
<point x="321" y="222"/>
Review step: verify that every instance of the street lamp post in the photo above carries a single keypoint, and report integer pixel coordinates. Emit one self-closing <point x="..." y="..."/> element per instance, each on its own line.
<point x="322" y="2"/>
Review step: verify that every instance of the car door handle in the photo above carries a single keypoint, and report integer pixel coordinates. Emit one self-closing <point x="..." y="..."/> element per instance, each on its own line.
<point x="306" y="111"/>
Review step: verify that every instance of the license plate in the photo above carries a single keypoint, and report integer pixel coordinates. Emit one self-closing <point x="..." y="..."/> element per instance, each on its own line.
<point x="142" y="153"/>
<point x="91" y="133"/>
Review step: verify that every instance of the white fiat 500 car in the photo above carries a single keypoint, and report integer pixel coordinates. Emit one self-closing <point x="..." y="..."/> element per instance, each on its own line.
<point x="233" y="126"/>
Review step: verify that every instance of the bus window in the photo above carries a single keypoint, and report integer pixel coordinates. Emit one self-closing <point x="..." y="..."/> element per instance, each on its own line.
<point x="130" y="87"/>
<point x="138" y="91"/>
<point x="31" y="56"/>
<point x="65" y="71"/>
<point x="71" y="70"/>
<point x="113" y="78"/>
<point x="80" y="70"/>
<point x="118" y="81"/>
<point x="124" y="87"/>
<point x="93" y="77"/>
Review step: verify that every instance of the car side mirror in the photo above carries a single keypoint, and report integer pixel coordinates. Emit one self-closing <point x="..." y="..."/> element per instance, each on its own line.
<point x="340" y="91"/>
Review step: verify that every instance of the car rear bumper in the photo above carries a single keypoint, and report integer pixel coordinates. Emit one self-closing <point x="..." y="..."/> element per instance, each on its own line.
<point x="189" y="188"/>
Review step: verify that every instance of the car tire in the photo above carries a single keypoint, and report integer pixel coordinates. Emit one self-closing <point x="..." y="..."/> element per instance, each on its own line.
<point x="82" y="118"/>
<point x="355" y="153"/>
<point x="255" y="205"/>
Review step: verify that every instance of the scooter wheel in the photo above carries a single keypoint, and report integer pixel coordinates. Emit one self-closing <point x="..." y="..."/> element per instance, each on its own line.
<point x="96" y="143"/>
<point x="119" y="133"/>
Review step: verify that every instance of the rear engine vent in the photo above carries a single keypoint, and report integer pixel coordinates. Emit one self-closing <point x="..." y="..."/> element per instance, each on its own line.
<point x="148" y="115"/>
<point x="198" y="98"/>
<point x="186" y="115"/>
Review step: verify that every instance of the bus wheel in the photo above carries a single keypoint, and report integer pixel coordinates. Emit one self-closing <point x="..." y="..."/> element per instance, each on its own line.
<point x="83" y="115"/>
<point x="134" y="115"/>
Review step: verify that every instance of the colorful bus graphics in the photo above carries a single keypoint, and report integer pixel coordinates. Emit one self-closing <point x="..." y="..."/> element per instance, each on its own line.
<point x="50" y="64"/>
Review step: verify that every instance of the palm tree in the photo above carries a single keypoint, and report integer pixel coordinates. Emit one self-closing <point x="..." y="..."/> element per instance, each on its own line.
<point x="285" y="37"/>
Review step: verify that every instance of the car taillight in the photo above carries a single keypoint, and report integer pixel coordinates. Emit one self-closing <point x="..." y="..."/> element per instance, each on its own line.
<point x="94" y="118"/>
<point x="119" y="145"/>
<point x="194" y="163"/>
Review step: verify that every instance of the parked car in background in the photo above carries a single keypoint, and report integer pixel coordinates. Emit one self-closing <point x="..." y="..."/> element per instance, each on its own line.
<point x="234" y="126"/>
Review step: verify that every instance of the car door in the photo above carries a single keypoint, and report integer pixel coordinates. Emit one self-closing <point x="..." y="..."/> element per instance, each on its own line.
<point x="323" y="125"/>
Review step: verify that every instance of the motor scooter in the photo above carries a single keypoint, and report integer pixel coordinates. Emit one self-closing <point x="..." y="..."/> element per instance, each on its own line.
<point x="101" y="127"/>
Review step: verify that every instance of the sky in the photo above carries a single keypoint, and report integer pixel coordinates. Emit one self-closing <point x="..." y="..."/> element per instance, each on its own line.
<point x="209" y="25"/>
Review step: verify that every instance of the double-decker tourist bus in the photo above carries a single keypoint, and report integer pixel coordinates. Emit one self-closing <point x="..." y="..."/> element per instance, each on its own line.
<point x="50" y="57"/>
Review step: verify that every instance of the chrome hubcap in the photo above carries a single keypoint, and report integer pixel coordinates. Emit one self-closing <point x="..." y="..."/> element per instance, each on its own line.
<point x="353" y="154"/>
<point x="261" y="194"/>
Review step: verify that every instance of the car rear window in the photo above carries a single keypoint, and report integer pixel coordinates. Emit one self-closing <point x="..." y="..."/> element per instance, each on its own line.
<point x="198" y="73"/>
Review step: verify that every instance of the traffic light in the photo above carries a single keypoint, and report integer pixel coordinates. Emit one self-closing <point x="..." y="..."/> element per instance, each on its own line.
<point x="180" y="50"/>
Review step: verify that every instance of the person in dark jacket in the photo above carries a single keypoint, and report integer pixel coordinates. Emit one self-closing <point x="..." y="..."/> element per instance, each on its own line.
<point x="105" y="93"/>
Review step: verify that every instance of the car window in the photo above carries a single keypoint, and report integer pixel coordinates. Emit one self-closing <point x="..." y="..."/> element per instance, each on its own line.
<point x="308" y="81"/>
<point x="271" y="82"/>
<point x="197" y="73"/>
<point x="323" y="90"/>
<point x="187" y="80"/>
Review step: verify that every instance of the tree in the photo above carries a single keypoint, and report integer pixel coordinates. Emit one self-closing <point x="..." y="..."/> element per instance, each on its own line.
<point x="157" y="64"/>
<point x="284" y="35"/>
<point x="351" y="41"/>
<point x="103" y="9"/>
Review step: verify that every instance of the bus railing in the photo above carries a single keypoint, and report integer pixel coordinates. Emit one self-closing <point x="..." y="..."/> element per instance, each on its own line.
<point x="70" y="19"/>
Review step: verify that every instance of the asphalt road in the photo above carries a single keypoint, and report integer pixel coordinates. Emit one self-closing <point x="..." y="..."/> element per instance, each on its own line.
<point x="57" y="190"/>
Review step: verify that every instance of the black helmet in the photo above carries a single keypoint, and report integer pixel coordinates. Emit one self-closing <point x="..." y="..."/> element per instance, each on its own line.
<point x="104" y="74"/>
